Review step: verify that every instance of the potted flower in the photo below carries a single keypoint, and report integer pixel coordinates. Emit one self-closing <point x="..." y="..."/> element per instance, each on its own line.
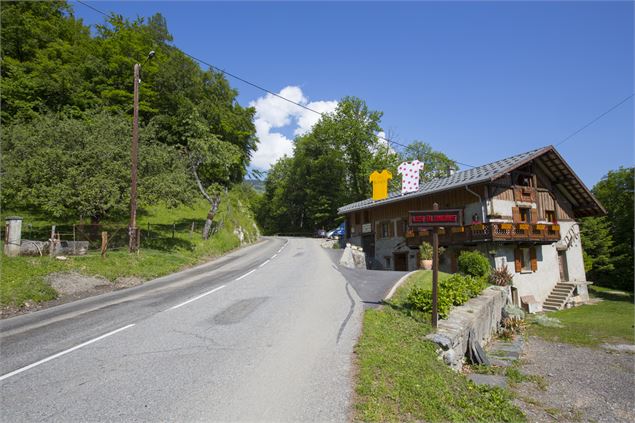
<point x="425" y="255"/>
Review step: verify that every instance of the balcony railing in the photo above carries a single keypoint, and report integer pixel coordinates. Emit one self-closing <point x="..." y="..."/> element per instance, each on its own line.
<point x="500" y="232"/>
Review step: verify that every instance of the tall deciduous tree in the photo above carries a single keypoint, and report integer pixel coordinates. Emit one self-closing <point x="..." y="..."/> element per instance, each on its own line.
<point x="615" y="192"/>
<point x="436" y="164"/>
<point x="80" y="168"/>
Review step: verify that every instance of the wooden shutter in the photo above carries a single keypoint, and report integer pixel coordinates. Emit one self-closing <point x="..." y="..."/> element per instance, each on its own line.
<point x="377" y="230"/>
<point x="516" y="215"/>
<point x="400" y="225"/>
<point x="391" y="229"/>
<point x="534" y="216"/>
<point x="534" y="262"/>
<point x="518" y="260"/>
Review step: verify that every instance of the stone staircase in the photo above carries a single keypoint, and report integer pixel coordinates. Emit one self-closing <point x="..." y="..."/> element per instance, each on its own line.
<point x="558" y="297"/>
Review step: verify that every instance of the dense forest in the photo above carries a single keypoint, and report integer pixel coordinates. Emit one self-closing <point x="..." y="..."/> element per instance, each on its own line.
<point x="67" y="97"/>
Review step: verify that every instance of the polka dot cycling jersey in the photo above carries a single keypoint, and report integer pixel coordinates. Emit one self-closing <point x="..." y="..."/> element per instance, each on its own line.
<point x="409" y="172"/>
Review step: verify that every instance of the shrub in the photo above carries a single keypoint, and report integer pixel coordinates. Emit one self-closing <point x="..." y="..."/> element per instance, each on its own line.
<point x="453" y="291"/>
<point x="501" y="276"/>
<point x="425" y="251"/>
<point x="473" y="263"/>
<point x="421" y="300"/>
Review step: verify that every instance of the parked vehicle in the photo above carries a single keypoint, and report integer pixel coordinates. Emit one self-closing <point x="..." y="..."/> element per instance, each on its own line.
<point x="337" y="232"/>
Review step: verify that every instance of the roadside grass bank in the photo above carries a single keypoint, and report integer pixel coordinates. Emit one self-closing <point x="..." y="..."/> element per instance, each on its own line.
<point x="420" y="279"/>
<point x="22" y="279"/>
<point x="401" y="378"/>
<point x="609" y="320"/>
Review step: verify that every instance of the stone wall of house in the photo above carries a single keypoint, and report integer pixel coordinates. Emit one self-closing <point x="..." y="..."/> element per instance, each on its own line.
<point x="482" y="314"/>
<point x="386" y="247"/>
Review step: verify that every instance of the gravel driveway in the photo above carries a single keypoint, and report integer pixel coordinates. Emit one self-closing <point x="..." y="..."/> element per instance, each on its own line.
<point x="583" y="384"/>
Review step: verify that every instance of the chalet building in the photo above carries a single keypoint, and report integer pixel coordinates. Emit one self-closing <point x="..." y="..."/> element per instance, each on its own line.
<point x="520" y="212"/>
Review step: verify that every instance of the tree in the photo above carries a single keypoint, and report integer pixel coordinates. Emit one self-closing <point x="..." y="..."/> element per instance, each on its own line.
<point x="51" y="63"/>
<point x="597" y="242"/>
<point x="80" y="168"/>
<point x="615" y="192"/>
<point x="435" y="163"/>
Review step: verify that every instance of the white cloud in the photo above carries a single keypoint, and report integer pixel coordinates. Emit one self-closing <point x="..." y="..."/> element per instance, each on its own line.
<point x="307" y="119"/>
<point x="275" y="113"/>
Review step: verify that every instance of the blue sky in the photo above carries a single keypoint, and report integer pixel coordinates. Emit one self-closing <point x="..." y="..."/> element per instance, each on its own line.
<point x="477" y="80"/>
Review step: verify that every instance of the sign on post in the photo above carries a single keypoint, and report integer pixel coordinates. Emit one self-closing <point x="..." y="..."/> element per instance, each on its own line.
<point x="434" y="219"/>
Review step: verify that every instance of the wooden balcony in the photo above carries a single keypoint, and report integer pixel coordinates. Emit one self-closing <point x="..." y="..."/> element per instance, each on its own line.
<point x="489" y="232"/>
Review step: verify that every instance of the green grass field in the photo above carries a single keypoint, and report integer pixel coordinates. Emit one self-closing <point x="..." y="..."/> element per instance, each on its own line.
<point x="401" y="378"/>
<point x="22" y="278"/>
<point x="611" y="320"/>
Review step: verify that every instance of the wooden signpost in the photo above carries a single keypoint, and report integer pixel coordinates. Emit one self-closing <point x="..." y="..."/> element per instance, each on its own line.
<point x="435" y="219"/>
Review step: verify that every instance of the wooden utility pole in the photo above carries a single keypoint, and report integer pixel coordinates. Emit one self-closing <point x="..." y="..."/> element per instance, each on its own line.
<point x="132" y="228"/>
<point x="435" y="271"/>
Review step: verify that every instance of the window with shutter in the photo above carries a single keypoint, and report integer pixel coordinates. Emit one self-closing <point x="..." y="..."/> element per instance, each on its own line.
<point x="516" y="215"/>
<point x="525" y="215"/>
<point x="518" y="263"/>
<point x="533" y="216"/>
<point x="534" y="261"/>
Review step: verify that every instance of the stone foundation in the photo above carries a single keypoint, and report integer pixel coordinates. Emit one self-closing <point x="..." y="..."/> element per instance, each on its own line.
<point x="482" y="314"/>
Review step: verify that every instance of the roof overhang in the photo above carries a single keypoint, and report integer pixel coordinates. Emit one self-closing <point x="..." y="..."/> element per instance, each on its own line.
<point x="548" y="159"/>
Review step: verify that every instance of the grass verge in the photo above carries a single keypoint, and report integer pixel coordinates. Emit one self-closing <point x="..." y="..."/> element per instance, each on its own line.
<point x="419" y="279"/>
<point x="608" y="321"/>
<point x="401" y="378"/>
<point x="22" y="278"/>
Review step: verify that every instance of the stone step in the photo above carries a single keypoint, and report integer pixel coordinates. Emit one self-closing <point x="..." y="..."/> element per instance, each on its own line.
<point x="563" y="289"/>
<point x="553" y="303"/>
<point x="557" y="297"/>
<point x="550" y="308"/>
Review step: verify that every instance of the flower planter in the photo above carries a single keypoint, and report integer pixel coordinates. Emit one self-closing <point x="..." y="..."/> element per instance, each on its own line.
<point x="426" y="264"/>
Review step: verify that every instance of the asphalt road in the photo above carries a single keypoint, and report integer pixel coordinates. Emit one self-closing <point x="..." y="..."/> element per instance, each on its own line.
<point x="265" y="333"/>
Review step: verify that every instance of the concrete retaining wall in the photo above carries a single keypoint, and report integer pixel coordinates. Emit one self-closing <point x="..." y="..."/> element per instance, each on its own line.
<point x="482" y="314"/>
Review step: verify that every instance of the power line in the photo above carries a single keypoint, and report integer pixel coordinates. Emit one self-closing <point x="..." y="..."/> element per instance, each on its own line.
<point x="595" y="120"/>
<point x="389" y="141"/>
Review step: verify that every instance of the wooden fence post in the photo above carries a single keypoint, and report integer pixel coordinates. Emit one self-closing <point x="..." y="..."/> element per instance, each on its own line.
<point x="192" y="230"/>
<point x="173" y="229"/>
<point x="104" y="243"/>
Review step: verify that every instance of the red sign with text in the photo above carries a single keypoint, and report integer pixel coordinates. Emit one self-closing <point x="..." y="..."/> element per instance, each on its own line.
<point x="436" y="218"/>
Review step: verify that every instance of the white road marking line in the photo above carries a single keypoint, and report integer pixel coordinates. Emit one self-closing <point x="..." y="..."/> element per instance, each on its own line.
<point x="264" y="263"/>
<point x="245" y="275"/>
<point x="196" y="298"/>
<point x="59" y="354"/>
<point x="274" y="256"/>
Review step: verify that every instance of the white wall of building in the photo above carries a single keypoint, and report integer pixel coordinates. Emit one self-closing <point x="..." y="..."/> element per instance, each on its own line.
<point x="575" y="261"/>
